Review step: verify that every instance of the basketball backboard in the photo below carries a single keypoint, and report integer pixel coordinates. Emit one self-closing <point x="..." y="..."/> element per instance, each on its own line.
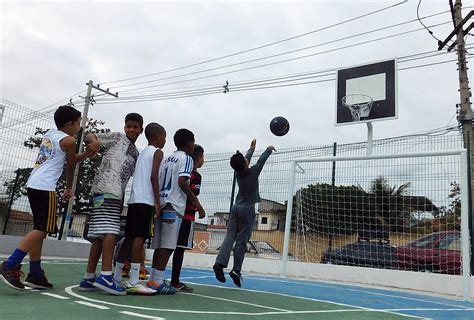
<point x="367" y="93"/>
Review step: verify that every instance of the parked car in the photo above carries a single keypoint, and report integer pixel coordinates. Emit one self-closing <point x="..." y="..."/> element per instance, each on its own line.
<point x="371" y="254"/>
<point x="262" y="249"/>
<point x="437" y="252"/>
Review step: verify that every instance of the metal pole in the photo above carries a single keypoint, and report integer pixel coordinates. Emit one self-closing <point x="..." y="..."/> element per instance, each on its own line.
<point x="333" y="183"/>
<point x="7" y="216"/>
<point x="370" y="136"/>
<point x="67" y="218"/>
<point x="289" y="211"/>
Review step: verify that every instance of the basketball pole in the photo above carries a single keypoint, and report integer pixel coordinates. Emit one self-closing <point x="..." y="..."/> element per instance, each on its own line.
<point x="370" y="136"/>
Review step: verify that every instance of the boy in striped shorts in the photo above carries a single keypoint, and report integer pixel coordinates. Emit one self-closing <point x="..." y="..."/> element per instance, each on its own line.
<point x="116" y="168"/>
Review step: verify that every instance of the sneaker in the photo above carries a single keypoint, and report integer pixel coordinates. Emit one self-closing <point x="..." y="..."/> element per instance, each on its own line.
<point x="108" y="284"/>
<point x="181" y="287"/>
<point x="126" y="269"/>
<point x="139" y="289"/>
<point x="236" y="277"/>
<point x="87" y="285"/>
<point x="38" y="281"/>
<point x="161" y="288"/>
<point x="143" y="275"/>
<point x="219" y="271"/>
<point x="11" y="276"/>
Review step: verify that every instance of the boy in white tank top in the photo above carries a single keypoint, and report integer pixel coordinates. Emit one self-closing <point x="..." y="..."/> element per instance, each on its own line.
<point x="57" y="147"/>
<point x="145" y="196"/>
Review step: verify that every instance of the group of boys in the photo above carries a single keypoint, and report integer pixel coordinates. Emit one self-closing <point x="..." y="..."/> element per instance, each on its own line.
<point x="164" y="190"/>
<point x="164" y="193"/>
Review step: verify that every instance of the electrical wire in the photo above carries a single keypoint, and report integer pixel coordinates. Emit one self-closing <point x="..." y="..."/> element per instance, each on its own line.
<point x="262" y="46"/>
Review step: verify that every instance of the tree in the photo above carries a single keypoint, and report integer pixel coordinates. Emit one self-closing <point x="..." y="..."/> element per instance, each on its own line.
<point x="87" y="170"/>
<point x="392" y="209"/>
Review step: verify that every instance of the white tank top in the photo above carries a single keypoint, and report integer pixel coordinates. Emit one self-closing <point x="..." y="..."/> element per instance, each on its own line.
<point x="49" y="163"/>
<point x="142" y="191"/>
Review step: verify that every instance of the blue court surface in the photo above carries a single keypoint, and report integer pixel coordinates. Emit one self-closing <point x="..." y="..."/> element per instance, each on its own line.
<point x="260" y="297"/>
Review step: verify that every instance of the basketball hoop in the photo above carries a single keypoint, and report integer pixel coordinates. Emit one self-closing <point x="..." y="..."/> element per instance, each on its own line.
<point x="359" y="105"/>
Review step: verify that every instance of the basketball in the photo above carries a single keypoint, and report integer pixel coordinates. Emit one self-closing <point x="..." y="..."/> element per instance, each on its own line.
<point x="279" y="126"/>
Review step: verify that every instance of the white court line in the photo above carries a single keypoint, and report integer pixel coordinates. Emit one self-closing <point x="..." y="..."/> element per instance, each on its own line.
<point x="363" y="291"/>
<point x="57" y="296"/>
<point x="92" y="305"/>
<point x="360" y="309"/>
<point x="141" y="315"/>
<point x="240" y="302"/>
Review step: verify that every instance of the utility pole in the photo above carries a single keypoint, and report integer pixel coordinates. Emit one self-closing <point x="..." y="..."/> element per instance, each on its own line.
<point x="87" y="100"/>
<point x="465" y="111"/>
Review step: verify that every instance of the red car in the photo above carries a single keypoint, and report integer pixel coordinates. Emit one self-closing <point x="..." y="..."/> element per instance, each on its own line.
<point x="437" y="252"/>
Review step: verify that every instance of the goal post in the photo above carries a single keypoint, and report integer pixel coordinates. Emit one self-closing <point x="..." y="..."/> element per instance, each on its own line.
<point x="327" y="220"/>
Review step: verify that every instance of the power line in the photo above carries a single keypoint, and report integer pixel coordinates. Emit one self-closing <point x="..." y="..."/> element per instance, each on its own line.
<point x="262" y="46"/>
<point x="283" y="53"/>
<point x="256" y="87"/>
<point x="276" y="62"/>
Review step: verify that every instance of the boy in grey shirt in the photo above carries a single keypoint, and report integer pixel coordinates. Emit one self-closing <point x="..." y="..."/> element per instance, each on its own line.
<point x="242" y="214"/>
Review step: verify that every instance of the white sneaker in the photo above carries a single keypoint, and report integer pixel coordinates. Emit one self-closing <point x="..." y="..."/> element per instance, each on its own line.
<point x="139" y="289"/>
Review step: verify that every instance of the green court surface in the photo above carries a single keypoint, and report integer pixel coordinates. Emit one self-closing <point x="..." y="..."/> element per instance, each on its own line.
<point x="266" y="299"/>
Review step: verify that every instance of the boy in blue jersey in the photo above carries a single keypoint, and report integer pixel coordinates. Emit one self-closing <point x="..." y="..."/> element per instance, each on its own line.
<point x="175" y="172"/>
<point x="57" y="147"/>
<point x="242" y="214"/>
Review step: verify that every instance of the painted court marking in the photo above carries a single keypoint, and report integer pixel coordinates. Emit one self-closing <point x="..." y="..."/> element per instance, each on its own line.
<point x="57" y="296"/>
<point x="141" y="315"/>
<point x="240" y="302"/>
<point x="70" y="292"/>
<point x="92" y="305"/>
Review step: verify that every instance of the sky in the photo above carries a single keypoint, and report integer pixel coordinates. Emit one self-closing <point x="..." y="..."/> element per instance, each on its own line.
<point x="49" y="50"/>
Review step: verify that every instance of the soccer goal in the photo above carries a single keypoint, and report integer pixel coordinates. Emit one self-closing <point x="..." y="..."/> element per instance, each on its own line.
<point x="380" y="219"/>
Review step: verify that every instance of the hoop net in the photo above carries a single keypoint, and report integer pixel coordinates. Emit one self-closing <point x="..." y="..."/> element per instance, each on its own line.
<point x="359" y="105"/>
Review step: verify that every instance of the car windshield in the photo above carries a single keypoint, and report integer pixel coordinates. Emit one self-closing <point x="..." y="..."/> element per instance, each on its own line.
<point x="425" y="242"/>
<point x="263" y="246"/>
<point x="452" y="242"/>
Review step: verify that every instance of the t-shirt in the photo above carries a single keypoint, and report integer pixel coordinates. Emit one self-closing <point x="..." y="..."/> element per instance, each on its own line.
<point x="248" y="182"/>
<point x="117" y="165"/>
<point x="49" y="163"/>
<point x="195" y="184"/>
<point x="178" y="164"/>
<point x="142" y="190"/>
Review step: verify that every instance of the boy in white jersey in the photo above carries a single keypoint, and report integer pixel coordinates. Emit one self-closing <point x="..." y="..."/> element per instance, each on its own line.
<point x="145" y="196"/>
<point x="57" y="147"/>
<point x="108" y="188"/>
<point x="174" y="190"/>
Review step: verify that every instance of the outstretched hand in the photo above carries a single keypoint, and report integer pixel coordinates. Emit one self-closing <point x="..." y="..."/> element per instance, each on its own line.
<point x="253" y="144"/>
<point x="271" y="148"/>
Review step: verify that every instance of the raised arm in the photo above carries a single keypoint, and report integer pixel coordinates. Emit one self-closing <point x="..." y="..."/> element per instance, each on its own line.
<point x="263" y="158"/>
<point x="251" y="150"/>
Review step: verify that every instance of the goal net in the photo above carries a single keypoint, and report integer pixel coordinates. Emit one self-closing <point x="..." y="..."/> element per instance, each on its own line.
<point x="398" y="212"/>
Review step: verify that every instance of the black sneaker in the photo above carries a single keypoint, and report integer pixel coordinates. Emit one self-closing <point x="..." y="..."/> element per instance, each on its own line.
<point x="219" y="271"/>
<point x="38" y="282"/>
<point x="236" y="277"/>
<point x="11" y="276"/>
<point x="181" y="287"/>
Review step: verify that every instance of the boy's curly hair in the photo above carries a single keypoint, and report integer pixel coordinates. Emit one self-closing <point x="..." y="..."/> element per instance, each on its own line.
<point x="237" y="162"/>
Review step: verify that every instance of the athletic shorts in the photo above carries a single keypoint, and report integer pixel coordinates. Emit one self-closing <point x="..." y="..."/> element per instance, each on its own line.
<point x="139" y="219"/>
<point x="186" y="235"/>
<point x="166" y="230"/>
<point x="105" y="217"/>
<point x="44" y="205"/>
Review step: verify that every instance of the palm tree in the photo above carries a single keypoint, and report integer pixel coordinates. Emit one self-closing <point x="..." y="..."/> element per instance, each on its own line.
<point x="391" y="208"/>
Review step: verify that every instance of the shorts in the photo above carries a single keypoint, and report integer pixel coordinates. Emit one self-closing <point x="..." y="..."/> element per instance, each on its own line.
<point x="139" y="219"/>
<point x="44" y="205"/>
<point x="166" y="231"/>
<point x="186" y="235"/>
<point x="105" y="217"/>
